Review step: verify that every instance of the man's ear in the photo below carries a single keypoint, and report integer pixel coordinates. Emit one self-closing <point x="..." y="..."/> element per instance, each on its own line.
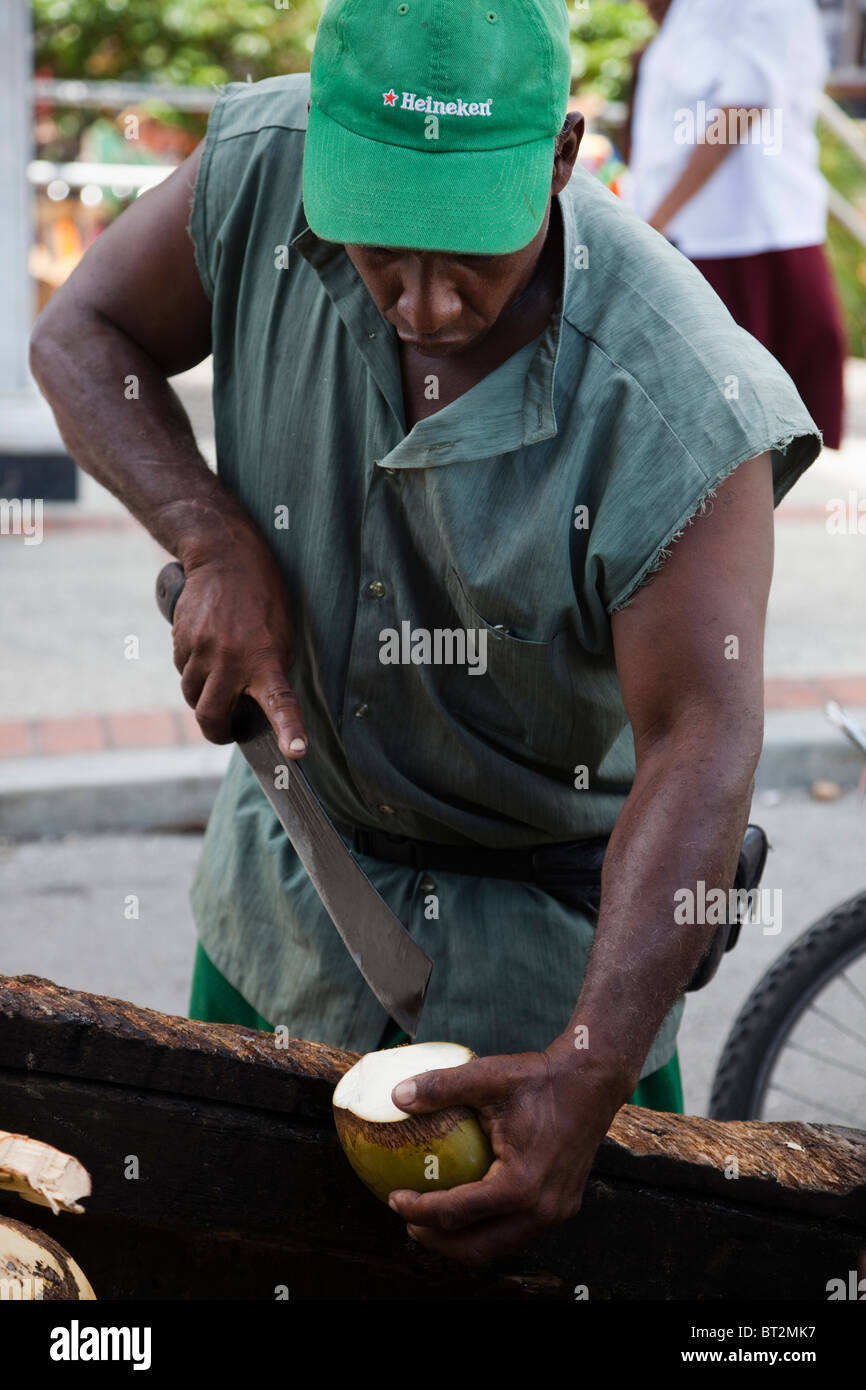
<point x="568" y="143"/>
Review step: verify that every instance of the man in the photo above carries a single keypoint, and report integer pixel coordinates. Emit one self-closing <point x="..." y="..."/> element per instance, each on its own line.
<point x="486" y="399"/>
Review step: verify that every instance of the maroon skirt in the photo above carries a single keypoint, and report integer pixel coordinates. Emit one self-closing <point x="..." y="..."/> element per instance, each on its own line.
<point x="787" y="300"/>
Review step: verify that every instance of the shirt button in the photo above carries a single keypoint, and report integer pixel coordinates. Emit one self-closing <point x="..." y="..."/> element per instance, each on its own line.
<point x="387" y="810"/>
<point x="362" y="710"/>
<point x="427" y="885"/>
<point x="376" y="588"/>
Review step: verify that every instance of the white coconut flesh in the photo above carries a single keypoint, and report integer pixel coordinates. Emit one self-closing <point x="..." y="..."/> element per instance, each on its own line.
<point x="33" y="1266"/>
<point x="366" y="1088"/>
<point x="42" y="1174"/>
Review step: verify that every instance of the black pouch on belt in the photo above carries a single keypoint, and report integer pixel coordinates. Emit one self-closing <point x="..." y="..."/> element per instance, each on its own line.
<point x="580" y="886"/>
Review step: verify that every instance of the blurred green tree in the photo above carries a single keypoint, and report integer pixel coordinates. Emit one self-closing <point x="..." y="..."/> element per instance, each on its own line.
<point x="204" y="41"/>
<point x="194" y="42"/>
<point x="604" y="35"/>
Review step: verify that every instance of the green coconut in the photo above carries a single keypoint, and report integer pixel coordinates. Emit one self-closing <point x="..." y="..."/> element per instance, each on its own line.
<point x="390" y="1149"/>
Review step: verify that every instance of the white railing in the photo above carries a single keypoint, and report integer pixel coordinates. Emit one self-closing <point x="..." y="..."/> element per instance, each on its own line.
<point x="79" y="174"/>
<point x="853" y="138"/>
<point x="69" y="92"/>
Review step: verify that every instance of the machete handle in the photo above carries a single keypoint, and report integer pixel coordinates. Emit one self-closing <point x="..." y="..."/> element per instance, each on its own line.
<point x="248" y="717"/>
<point x="169" y="587"/>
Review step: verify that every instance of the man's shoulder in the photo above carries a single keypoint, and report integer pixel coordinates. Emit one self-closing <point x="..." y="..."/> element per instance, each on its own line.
<point x="250" y="172"/>
<point x="626" y="287"/>
<point x="654" y="318"/>
<point x="274" y="103"/>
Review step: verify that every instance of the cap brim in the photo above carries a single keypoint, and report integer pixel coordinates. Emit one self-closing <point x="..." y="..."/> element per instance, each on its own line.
<point x="364" y="192"/>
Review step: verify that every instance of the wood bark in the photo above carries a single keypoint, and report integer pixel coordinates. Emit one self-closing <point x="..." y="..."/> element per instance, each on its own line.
<point x="217" y="1174"/>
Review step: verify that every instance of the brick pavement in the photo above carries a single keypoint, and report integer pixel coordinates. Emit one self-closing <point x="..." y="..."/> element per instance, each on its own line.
<point x="168" y="728"/>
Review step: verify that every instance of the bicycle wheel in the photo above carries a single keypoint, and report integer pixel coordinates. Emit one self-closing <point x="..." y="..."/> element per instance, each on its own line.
<point x="797" y="1049"/>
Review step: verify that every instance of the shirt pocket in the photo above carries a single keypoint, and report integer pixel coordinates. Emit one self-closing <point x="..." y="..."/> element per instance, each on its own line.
<point x="524" y="699"/>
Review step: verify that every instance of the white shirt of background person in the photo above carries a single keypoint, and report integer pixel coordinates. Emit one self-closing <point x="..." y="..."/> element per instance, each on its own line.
<point x="769" y="194"/>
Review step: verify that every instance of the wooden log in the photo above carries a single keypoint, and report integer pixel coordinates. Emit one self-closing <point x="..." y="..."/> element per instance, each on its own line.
<point x="216" y="1173"/>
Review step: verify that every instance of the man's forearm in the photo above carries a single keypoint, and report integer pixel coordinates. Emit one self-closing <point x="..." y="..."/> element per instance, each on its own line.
<point x="683" y="822"/>
<point x="123" y="423"/>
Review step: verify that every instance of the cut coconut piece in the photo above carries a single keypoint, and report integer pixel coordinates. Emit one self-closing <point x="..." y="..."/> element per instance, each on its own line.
<point x="42" y="1174"/>
<point x="35" y="1267"/>
<point x="389" y="1148"/>
<point x="366" y="1088"/>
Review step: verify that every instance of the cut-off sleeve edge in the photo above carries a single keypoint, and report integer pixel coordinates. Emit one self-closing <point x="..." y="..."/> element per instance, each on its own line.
<point x="786" y="471"/>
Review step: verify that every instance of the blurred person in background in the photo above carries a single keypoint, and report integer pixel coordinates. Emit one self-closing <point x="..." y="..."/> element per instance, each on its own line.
<point x="724" y="162"/>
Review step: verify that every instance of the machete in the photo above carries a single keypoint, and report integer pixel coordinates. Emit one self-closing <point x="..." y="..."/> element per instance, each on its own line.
<point x="394" y="966"/>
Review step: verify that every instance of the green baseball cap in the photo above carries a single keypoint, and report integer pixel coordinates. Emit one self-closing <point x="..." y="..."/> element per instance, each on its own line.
<point x="432" y="122"/>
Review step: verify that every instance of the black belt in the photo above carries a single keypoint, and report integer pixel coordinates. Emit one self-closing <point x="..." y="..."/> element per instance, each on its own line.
<point x="577" y="861"/>
<point x="570" y="871"/>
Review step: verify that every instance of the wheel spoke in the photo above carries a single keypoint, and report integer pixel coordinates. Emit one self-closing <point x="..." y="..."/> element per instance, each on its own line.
<point x="828" y="1018"/>
<point x="858" y="993"/>
<point x="814" y="1032"/>
<point x="829" y="1061"/>
<point x="804" y="1100"/>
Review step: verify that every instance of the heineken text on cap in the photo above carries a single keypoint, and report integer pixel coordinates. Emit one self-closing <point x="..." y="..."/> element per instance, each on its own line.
<point x="432" y="122"/>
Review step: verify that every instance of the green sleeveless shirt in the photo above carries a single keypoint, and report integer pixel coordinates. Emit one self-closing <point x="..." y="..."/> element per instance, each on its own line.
<point x="528" y="510"/>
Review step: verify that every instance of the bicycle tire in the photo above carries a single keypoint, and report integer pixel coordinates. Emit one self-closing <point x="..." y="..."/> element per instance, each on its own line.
<point x="776" y="1004"/>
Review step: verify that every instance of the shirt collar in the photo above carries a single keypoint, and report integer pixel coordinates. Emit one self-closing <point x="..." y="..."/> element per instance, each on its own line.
<point x="509" y="409"/>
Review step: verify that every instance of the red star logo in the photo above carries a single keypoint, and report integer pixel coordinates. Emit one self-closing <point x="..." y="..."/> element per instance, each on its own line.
<point x="390" y="97"/>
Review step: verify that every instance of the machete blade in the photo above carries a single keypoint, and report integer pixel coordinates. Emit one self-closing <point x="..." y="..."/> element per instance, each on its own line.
<point x="394" y="966"/>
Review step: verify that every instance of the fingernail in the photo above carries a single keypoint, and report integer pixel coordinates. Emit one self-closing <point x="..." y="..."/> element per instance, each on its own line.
<point x="298" y="745"/>
<point x="405" y="1093"/>
<point x="392" y="1203"/>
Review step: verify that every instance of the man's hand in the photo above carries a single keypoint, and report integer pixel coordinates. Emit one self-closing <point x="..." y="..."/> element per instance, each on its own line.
<point x="233" y="634"/>
<point x="545" y="1114"/>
